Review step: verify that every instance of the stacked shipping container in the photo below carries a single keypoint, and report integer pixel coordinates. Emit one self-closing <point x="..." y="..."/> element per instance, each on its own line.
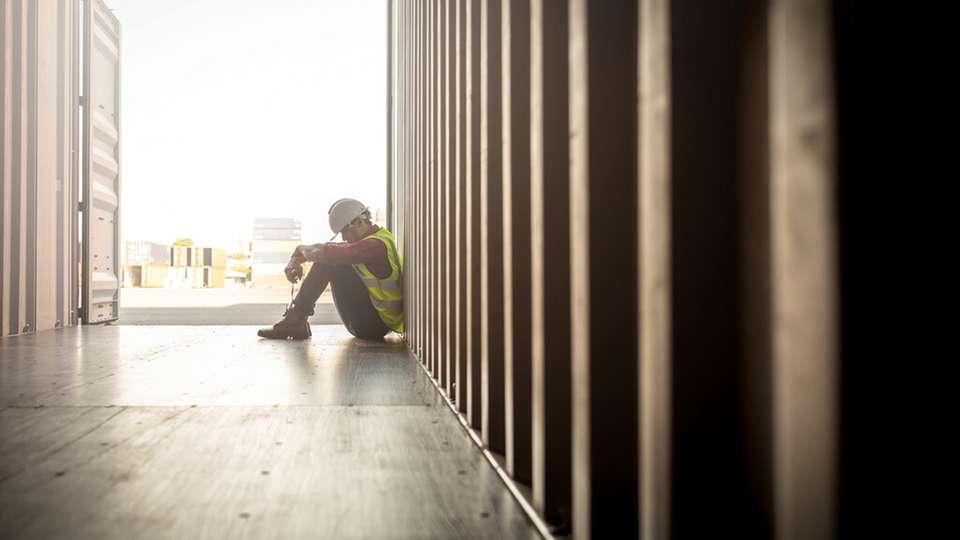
<point x="147" y="264"/>
<point x="274" y="240"/>
<point x="197" y="267"/>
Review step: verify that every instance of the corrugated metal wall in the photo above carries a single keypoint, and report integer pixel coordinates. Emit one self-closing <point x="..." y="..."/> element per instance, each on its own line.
<point x="38" y="164"/>
<point x="620" y="226"/>
<point x="101" y="164"/>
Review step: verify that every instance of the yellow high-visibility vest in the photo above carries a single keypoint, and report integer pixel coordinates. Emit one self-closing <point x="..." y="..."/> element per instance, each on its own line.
<point x="386" y="294"/>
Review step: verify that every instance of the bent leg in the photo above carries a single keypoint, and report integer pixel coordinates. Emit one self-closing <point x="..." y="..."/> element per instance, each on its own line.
<point x="311" y="288"/>
<point x="353" y="304"/>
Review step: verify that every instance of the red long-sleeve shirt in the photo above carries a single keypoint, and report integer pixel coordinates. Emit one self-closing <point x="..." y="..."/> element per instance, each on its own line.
<point x="368" y="251"/>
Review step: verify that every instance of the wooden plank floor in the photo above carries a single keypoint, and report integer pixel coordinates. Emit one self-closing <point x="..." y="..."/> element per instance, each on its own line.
<point x="210" y="432"/>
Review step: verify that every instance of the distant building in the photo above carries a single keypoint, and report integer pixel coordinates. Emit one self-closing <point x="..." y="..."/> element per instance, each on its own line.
<point x="146" y="264"/>
<point x="197" y="267"/>
<point x="274" y="239"/>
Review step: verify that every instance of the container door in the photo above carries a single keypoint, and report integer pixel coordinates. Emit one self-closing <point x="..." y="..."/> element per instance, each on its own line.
<point x="101" y="164"/>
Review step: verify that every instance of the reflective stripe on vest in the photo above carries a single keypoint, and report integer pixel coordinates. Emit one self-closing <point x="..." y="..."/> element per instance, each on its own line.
<point x="392" y="305"/>
<point x="385" y="285"/>
<point x="386" y="295"/>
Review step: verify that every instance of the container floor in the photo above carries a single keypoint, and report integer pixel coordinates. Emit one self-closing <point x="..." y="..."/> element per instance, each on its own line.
<point x="191" y="432"/>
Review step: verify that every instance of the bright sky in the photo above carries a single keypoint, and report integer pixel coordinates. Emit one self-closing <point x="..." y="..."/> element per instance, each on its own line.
<point x="235" y="109"/>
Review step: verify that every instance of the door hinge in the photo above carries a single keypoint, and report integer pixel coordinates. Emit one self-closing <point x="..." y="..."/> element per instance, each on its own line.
<point x="82" y="206"/>
<point x="82" y="101"/>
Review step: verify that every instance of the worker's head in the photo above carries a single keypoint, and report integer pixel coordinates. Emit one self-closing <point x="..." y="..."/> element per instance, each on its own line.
<point x="351" y="219"/>
<point x="359" y="228"/>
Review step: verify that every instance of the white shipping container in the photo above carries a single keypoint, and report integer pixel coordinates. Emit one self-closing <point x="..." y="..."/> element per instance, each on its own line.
<point x="101" y="163"/>
<point x="147" y="253"/>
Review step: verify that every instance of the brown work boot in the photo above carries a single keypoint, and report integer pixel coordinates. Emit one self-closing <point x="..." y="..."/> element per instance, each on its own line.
<point x="290" y="327"/>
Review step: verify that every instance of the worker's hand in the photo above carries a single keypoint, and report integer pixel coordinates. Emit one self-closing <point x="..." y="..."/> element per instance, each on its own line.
<point x="293" y="271"/>
<point x="297" y="255"/>
<point x="308" y="253"/>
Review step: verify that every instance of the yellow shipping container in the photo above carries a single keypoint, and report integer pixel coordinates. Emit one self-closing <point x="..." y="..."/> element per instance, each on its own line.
<point x="145" y="275"/>
<point x="218" y="277"/>
<point x="208" y="277"/>
<point x="217" y="257"/>
<point x="154" y="275"/>
<point x="180" y="256"/>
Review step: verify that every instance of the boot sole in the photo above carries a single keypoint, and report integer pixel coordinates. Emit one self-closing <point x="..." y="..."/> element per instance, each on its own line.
<point x="294" y="336"/>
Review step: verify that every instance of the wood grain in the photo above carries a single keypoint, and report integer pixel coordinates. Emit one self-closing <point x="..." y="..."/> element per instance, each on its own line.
<point x="147" y="432"/>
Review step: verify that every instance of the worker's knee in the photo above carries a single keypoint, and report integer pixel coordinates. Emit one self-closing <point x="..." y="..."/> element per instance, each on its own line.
<point x="331" y="272"/>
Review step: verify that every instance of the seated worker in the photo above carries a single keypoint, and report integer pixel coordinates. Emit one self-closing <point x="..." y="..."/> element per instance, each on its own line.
<point x="365" y="275"/>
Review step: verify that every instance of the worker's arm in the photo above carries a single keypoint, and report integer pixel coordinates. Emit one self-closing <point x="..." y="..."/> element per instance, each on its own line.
<point x="304" y="253"/>
<point x="312" y="252"/>
<point x="368" y="251"/>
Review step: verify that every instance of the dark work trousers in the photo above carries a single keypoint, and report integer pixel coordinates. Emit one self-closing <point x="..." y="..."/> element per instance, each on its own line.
<point x="349" y="295"/>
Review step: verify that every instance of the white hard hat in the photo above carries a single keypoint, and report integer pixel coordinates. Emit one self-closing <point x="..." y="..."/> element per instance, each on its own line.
<point x="343" y="212"/>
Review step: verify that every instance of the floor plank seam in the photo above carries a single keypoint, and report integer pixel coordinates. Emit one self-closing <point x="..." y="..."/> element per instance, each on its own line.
<point x="274" y="448"/>
<point x="83" y="435"/>
<point x="66" y="445"/>
<point x="539" y="524"/>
